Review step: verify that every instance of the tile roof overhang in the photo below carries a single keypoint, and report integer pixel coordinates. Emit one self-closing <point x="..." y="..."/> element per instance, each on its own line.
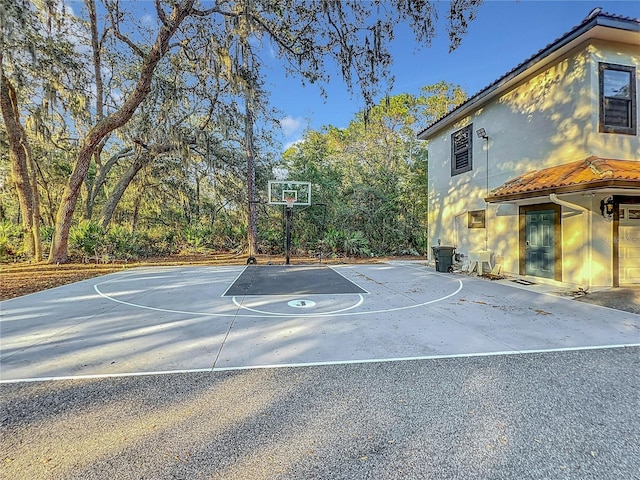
<point x="593" y="173"/>
<point x="604" y="26"/>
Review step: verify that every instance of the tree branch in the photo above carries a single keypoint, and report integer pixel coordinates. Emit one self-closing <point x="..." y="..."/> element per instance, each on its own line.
<point x="161" y="15"/>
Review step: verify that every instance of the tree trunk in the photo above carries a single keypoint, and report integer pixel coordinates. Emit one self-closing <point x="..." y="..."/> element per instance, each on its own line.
<point x="112" y="202"/>
<point x="97" y="72"/>
<point x="141" y="160"/>
<point x="20" y="159"/>
<point x="136" y="211"/>
<point x="64" y="217"/>
<point x="90" y="185"/>
<point x="33" y="178"/>
<point x="252" y="221"/>
<point x="252" y="227"/>
<point x="101" y="176"/>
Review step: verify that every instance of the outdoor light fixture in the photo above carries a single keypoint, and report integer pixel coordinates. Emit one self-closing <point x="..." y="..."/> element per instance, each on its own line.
<point x="482" y="133"/>
<point x="606" y="207"/>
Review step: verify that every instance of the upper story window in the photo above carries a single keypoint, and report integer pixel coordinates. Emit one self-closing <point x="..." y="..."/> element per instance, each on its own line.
<point x="461" y="157"/>
<point x="617" y="99"/>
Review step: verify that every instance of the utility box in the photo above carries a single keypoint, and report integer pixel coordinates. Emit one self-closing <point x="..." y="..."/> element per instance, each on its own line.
<point x="444" y="258"/>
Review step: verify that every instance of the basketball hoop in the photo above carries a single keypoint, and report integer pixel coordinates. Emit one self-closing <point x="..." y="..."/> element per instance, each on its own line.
<point x="288" y="193"/>
<point x="282" y="192"/>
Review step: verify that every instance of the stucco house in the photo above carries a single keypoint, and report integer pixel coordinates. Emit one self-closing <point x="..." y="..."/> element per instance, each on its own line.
<point x="540" y="170"/>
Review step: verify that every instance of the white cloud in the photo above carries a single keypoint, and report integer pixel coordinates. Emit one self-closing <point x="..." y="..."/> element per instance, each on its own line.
<point x="291" y="126"/>
<point x="291" y="144"/>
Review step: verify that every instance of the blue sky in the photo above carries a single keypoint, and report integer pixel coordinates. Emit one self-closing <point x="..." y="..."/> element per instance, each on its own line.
<point x="504" y="34"/>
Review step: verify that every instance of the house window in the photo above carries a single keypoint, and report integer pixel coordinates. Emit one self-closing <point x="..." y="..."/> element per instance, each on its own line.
<point x="461" y="160"/>
<point x="475" y="219"/>
<point x="617" y="99"/>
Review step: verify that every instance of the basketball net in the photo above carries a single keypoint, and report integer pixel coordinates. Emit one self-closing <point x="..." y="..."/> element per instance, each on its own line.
<point x="290" y="201"/>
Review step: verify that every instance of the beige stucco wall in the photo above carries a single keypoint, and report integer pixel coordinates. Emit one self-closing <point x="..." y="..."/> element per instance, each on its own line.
<point x="549" y="118"/>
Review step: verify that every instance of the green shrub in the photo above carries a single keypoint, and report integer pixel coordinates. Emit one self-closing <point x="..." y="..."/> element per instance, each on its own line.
<point x="121" y="244"/>
<point x="271" y="242"/>
<point x="88" y="239"/>
<point x="333" y="241"/>
<point x="46" y="234"/>
<point x="11" y="239"/>
<point x="356" y="244"/>
<point x="158" y="241"/>
<point x="197" y="237"/>
<point x="340" y="242"/>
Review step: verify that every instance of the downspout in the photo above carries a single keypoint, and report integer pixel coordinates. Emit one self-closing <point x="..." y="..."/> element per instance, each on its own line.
<point x="588" y="253"/>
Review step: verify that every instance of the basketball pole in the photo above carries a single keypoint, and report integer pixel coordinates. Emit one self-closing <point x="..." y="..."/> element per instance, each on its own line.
<point x="288" y="193"/>
<point x="288" y="220"/>
<point x="252" y="260"/>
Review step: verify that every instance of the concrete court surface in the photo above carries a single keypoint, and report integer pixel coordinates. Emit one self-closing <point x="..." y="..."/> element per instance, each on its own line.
<point x="560" y="402"/>
<point x="168" y="319"/>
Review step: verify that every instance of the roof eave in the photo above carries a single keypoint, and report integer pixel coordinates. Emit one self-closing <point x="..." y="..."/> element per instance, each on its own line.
<point x="575" y="34"/>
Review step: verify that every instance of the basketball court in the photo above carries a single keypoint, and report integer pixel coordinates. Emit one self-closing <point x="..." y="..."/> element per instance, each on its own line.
<point x="192" y="319"/>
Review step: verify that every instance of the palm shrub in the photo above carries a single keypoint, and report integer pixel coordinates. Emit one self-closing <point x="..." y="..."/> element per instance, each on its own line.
<point x="333" y="241"/>
<point x="356" y="244"/>
<point x="271" y="241"/>
<point x="121" y="243"/>
<point x="157" y="241"/>
<point x="46" y="234"/>
<point x="10" y="239"/>
<point x="198" y="237"/>
<point x="341" y="242"/>
<point x="88" y="239"/>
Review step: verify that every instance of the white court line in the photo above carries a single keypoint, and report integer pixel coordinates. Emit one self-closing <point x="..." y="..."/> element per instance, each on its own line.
<point x="295" y="295"/>
<point x="323" y="314"/>
<point x="277" y="315"/>
<point x="234" y="280"/>
<point x="349" y="280"/>
<point x="426" y="357"/>
<point x="322" y="364"/>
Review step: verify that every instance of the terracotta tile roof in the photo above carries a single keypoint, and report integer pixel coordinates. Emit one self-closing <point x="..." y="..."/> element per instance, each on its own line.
<point x="592" y="173"/>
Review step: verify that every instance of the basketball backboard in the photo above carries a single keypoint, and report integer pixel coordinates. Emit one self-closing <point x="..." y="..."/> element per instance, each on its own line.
<point x="283" y="192"/>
